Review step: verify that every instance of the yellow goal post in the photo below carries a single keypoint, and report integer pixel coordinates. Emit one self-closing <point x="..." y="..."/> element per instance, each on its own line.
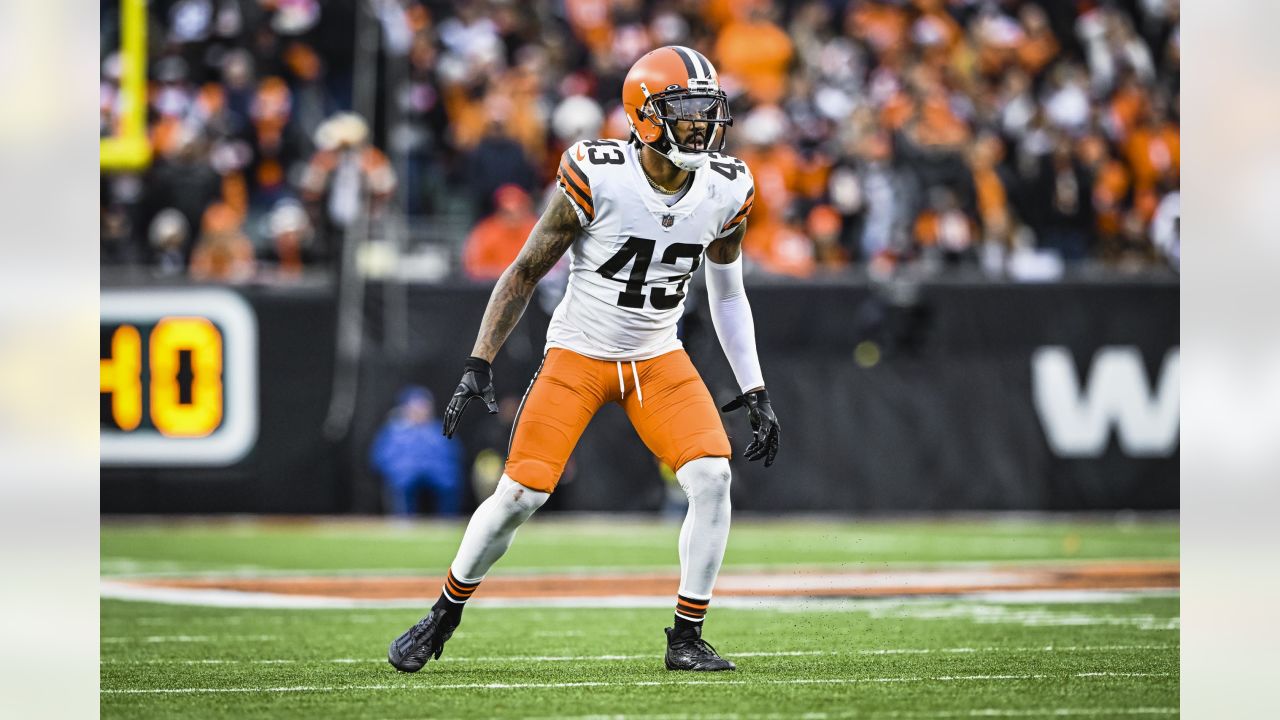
<point x="129" y="148"/>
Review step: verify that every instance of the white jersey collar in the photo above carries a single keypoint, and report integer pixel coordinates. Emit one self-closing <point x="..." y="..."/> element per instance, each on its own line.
<point x="653" y="201"/>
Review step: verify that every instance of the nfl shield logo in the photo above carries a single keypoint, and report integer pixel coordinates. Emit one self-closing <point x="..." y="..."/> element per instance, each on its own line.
<point x="667" y="220"/>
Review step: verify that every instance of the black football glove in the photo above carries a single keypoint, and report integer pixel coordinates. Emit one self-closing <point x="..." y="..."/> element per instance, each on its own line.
<point x="476" y="382"/>
<point x="764" y="425"/>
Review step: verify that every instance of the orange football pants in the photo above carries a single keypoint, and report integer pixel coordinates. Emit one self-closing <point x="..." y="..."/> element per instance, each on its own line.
<point x="672" y="411"/>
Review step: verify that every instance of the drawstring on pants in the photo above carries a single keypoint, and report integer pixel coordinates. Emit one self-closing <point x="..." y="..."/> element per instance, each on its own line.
<point x="635" y="375"/>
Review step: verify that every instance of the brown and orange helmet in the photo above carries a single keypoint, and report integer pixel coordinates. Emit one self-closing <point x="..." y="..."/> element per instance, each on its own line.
<point x="672" y="84"/>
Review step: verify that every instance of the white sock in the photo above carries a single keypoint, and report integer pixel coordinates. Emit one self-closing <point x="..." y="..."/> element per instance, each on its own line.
<point x="706" y="528"/>
<point x="492" y="527"/>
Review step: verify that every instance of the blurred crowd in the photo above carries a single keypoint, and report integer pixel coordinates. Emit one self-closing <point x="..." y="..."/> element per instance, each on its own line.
<point x="885" y="135"/>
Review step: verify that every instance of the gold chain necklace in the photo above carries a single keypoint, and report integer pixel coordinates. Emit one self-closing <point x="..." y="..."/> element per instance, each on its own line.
<point x="661" y="189"/>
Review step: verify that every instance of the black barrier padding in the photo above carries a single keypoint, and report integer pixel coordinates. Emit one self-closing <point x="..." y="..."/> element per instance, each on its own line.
<point x="944" y="420"/>
<point x="292" y="469"/>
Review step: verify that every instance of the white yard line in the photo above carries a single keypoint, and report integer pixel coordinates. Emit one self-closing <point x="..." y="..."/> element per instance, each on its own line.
<point x="888" y="714"/>
<point x="606" y="658"/>
<point x="495" y="658"/>
<point x="640" y="683"/>
<point x="182" y="638"/>
<point x="123" y="568"/>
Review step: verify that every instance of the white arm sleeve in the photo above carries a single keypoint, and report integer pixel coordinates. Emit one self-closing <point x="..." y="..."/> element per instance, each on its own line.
<point x="731" y="315"/>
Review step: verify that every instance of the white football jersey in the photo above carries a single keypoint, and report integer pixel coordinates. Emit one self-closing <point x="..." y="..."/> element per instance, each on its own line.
<point x="630" y="268"/>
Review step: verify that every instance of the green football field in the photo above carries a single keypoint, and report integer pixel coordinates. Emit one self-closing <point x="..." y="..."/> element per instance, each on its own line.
<point x="1033" y="653"/>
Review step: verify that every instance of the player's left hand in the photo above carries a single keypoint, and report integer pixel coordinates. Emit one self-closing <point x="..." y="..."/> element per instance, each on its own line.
<point x="764" y="424"/>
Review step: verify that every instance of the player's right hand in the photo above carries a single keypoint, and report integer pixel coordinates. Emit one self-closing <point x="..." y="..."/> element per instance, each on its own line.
<point x="476" y="382"/>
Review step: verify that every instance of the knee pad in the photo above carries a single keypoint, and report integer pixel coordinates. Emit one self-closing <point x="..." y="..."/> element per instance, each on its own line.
<point x="706" y="477"/>
<point x="517" y="500"/>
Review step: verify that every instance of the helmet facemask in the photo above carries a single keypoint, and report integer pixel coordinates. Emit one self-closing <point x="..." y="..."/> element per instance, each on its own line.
<point x="708" y="108"/>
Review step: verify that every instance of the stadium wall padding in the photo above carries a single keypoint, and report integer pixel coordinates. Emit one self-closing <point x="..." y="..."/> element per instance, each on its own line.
<point x="291" y="469"/>
<point x="899" y="398"/>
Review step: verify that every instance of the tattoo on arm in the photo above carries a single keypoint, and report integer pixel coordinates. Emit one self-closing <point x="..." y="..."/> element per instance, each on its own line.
<point x="554" y="233"/>
<point x="725" y="250"/>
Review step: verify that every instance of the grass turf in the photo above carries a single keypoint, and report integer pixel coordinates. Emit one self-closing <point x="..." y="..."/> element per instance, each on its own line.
<point x="925" y="658"/>
<point x="549" y="543"/>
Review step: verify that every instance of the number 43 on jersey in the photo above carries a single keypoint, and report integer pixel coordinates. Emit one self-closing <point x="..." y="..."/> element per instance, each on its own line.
<point x="641" y="250"/>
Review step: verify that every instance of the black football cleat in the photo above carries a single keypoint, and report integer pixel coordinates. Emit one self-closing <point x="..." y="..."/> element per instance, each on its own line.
<point x="686" y="650"/>
<point x="410" y="651"/>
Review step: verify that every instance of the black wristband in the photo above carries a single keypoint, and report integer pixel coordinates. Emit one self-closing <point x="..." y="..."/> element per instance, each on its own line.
<point x="478" y="365"/>
<point x="761" y="395"/>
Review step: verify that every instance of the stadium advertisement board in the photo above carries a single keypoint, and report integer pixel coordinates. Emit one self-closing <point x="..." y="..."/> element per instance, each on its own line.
<point x="178" y="377"/>
<point x="951" y="397"/>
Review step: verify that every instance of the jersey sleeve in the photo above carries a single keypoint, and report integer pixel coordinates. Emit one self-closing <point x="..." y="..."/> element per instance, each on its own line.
<point x="743" y="209"/>
<point x="576" y="185"/>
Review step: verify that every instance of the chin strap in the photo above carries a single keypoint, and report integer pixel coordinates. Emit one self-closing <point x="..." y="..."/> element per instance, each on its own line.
<point x="686" y="161"/>
<point x="689" y="161"/>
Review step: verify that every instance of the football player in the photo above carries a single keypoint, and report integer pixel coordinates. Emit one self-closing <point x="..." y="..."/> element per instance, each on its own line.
<point x="636" y="218"/>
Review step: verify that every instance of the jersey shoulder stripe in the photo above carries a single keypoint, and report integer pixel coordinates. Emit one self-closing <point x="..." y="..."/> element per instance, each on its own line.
<point x="743" y="211"/>
<point x="573" y="181"/>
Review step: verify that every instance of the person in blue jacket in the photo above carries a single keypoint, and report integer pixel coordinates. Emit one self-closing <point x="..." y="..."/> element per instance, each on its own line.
<point x="412" y="454"/>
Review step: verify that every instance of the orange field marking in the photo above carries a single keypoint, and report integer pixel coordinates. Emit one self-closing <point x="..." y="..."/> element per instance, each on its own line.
<point x="808" y="583"/>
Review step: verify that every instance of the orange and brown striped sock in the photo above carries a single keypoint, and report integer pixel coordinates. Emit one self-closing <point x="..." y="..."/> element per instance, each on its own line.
<point x="457" y="591"/>
<point x="691" y="610"/>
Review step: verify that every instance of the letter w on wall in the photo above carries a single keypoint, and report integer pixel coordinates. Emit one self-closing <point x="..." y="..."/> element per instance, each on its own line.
<point x="1077" y="421"/>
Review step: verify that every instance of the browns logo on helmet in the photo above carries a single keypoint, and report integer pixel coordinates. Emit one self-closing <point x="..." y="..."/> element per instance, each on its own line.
<point x="675" y="84"/>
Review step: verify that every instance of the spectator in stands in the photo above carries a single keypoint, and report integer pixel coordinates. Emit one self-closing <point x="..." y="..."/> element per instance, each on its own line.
<point x="169" y="235"/>
<point x="423" y="124"/>
<point x="991" y="180"/>
<point x="412" y="455"/>
<point x="276" y="142"/>
<point x="824" y="226"/>
<point x="786" y="250"/>
<point x="776" y="168"/>
<point x="1038" y="45"/>
<point x="347" y="178"/>
<point x="1152" y="149"/>
<point x="753" y="54"/>
<point x="223" y="253"/>
<point x="944" y="229"/>
<point x="577" y="117"/>
<point x="1166" y="228"/>
<point x="183" y="179"/>
<point x="882" y="25"/>
<point x="927" y="90"/>
<point x="116" y="247"/>
<point x="497" y="160"/>
<point x="1067" y="105"/>
<point x="873" y="190"/>
<point x="1111" y="188"/>
<point x="1064" y="218"/>
<point x="291" y="239"/>
<point x="496" y="240"/>
<point x="1112" y="45"/>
